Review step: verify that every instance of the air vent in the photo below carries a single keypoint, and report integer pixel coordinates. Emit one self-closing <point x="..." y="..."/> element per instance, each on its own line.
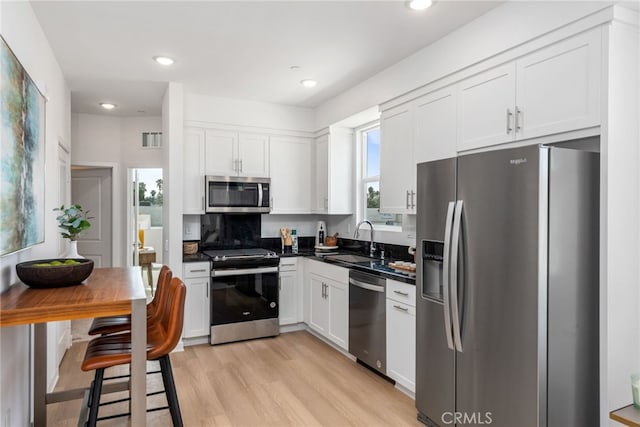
<point x="151" y="139"/>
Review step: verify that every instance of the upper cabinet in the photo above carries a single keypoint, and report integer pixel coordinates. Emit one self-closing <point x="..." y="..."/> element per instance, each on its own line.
<point x="397" y="165"/>
<point x="333" y="172"/>
<point x="193" y="171"/>
<point x="419" y="131"/>
<point x="290" y="160"/>
<point x="230" y="153"/>
<point x="552" y="90"/>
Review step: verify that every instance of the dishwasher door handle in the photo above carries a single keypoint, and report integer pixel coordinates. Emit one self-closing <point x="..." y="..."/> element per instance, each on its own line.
<point x="367" y="286"/>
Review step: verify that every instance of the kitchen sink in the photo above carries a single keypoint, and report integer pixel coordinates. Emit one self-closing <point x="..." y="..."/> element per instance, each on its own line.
<point x="349" y="258"/>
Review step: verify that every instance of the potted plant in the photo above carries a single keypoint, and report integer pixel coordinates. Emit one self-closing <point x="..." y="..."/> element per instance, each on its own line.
<point x="73" y="221"/>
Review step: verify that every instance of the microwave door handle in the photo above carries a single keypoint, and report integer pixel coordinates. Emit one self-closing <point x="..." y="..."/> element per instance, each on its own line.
<point x="259" y="195"/>
<point x="445" y="275"/>
<point x="455" y="310"/>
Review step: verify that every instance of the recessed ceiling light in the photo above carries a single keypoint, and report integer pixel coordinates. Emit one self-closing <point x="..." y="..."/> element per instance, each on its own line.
<point x="294" y="68"/>
<point x="164" y="60"/>
<point x="308" y="82"/>
<point x="419" y="4"/>
<point x="108" y="105"/>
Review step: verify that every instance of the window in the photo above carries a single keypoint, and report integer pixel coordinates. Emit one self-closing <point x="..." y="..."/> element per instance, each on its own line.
<point x="370" y="181"/>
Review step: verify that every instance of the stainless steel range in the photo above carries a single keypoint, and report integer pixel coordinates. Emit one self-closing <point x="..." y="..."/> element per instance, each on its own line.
<point x="244" y="294"/>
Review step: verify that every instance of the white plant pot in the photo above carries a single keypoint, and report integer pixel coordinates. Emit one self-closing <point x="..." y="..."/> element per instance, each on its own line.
<point x="72" y="250"/>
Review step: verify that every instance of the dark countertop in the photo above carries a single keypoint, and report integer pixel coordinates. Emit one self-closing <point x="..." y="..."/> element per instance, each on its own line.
<point x="198" y="257"/>
<point x="375" y="266"/>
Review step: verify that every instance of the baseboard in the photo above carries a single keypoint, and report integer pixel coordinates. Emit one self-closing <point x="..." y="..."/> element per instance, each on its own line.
<point x="331" y="343"/>
<point x="186" y="342"/>
<point x="292" y="327"/>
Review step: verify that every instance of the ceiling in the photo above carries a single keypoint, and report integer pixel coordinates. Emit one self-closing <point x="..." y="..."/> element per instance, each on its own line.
<point x="234" y="49"/>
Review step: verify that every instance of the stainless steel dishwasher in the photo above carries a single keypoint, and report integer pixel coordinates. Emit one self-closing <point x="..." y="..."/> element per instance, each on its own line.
<point x="367" y="319"/>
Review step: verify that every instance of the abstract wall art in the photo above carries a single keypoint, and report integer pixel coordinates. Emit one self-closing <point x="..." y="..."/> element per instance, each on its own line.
<point x="22" y="147"/>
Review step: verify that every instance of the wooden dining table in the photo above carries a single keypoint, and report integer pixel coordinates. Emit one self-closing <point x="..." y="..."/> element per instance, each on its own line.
<point x="106" y="292"/>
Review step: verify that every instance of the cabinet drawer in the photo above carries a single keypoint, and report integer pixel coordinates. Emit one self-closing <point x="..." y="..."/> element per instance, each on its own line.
<point x="330" y="271"/>
<point x="401" y="292"/>
<point x="400" y="307"/>
<point x="288" y="263"/>
<point x="195" y="269"/>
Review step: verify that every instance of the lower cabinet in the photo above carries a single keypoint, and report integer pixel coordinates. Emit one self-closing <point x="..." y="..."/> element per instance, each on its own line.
<point x="329" y="302"/>
<point x="196" y="305"/>
<point x="288" y="291"/>
<point x="401" y="333"/>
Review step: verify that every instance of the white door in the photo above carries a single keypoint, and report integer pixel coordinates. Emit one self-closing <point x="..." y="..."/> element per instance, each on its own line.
<point x="321" y="198"/>
<point x="435" y="126"/>
<point x="486" y="108"/>
<point x="319" y="307"/>
<point x="397" y="167"/>
<point x="288" y="296"/>
<point x="290" y="160"/>
<point x="221" y="153"/>
<point x="92" y="189"/>
<point x="253" y="155"/>
<point x="338" y="294"/>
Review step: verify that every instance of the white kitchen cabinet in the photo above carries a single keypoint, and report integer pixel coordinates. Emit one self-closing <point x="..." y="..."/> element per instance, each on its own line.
<point x="196" y="305"/>
<point x="290" y="164"/>
<point x="397" y="164"/>
<point x="230" y="153"/>
<point x="554" y="89"/>
<point x="288" y="291"/>
<point x="401" y="333"/>
<point x="329" y="301"/>
<point x="193" y="171"/>
<point x="435" y="129"/>
<point x="333" y="170"/>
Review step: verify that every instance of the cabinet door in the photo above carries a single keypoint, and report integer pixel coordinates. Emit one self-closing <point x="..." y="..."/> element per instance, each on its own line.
<point x="435" y="126"/>
<point x="397" y="167"/>
<point x="290" y="160"/>
<point x="558" y="87"/>
<point x="221" y="157"/>
<point x="401" y="343"/>
<point x="318" y="304"/>
<point x="321" y="198"/>
<point x="193" y="171"/>
<point x="486" y="108"/>
<point x="339" y="313"/>
<point x="253" y="155"/>
<point x="288" y="297"/>
<point x="196" y="308"/>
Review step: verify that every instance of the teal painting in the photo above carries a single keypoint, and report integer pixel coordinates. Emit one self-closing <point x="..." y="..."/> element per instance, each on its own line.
<point x="22" y="174"/>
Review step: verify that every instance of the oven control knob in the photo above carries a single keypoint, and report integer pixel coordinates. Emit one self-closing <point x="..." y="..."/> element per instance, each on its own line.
<point x="272" y="305"/>
<point x="224" y="257"/>
<point x="216" y="258"/>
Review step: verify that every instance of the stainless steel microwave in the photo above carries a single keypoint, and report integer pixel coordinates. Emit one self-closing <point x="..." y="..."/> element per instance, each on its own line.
<point x="237" y="194"/>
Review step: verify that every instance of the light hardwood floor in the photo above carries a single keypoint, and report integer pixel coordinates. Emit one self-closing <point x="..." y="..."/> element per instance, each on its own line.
<point x="294" y="379"/>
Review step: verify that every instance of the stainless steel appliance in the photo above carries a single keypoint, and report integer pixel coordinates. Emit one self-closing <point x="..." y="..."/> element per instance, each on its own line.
<point x="237" y="194"/>
<point x="367" y="319"/>
<point x="507" y="312"/>
<point x="244" y="294"/>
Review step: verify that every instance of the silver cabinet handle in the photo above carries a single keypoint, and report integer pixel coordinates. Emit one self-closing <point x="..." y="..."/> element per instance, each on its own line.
<point x="407" y="199"/>
<point x="509" y="114"/>
<point x="518" y="113"/>
<point x="455" y="240"/>
<point x="243" y="272"/>
<point x="279" y="283"/>
<point x="207" y="291"/>
<point x="235" y="165"/>
<point x="241" y="165"/>
<point x="445" y="275"/>
<point x="326" y="203"/>
<point x="202" y="202"/>
<point x="413" y="199"/>
<point x="202" y="270"/>
<point x="404" y="294"/>
<point x="401" y="308"/>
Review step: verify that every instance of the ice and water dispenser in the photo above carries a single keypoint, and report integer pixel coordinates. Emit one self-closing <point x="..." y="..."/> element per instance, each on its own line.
<point x="432" y="261"/>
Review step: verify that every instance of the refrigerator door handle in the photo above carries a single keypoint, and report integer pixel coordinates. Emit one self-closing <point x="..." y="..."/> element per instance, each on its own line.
<point x="445" y="274"/>
<point x="455" y="311"/>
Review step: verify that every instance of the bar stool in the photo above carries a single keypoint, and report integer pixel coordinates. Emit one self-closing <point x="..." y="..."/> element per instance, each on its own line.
<point x="162" y="337"/>
<point x="114" y="324"/>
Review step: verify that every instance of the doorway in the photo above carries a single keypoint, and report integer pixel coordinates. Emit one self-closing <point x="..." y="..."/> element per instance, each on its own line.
<point x="144" y="223"/>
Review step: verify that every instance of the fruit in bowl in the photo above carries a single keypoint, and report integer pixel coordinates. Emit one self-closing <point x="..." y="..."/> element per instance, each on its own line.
<point x="54" y="273"/>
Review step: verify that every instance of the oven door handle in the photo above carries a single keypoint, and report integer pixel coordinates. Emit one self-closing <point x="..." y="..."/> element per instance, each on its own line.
<point x="243" y="272"/>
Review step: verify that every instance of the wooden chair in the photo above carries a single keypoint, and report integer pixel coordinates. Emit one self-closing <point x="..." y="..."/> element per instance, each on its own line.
<point x="115" y="324"/>
<point x="162" y="337"/>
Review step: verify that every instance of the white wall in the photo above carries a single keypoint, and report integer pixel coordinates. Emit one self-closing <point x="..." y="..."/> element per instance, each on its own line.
<point x="240" y="112"/>
<point x="113" y="141"/>
<point x="24" y="36"/>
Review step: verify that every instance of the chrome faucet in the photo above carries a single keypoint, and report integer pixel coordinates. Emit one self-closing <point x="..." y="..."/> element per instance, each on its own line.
<point x="372" y="247"/>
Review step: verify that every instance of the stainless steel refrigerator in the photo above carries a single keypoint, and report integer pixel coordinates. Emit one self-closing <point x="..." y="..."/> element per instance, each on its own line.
<point x="507" y="312"/>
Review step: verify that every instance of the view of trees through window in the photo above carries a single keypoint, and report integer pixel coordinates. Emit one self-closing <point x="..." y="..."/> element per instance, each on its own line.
<point x="371" y="179"/>
<point x="150" y="195"/>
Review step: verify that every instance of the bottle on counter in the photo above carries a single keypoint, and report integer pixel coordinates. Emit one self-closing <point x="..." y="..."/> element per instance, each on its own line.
<point x="294" y="241"/>
<point x="321" y="236"/>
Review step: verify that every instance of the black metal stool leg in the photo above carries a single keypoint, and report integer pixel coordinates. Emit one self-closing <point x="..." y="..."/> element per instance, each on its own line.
<point x="170" y="390"/>
<point x="95" y="397"/>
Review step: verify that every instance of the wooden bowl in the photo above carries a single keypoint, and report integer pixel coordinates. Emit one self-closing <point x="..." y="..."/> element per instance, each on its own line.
<point x="54" y="276"/>
<point x="331" y="241"/>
